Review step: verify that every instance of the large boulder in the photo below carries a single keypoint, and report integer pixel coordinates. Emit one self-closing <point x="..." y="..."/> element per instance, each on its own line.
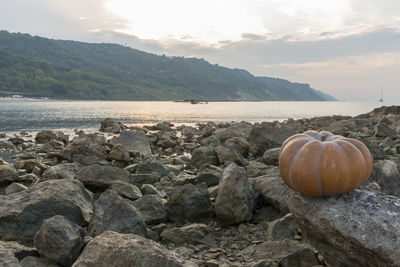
<point x="110" y="125"/>
<point x="99" y="178"/>
<point x="22" y="214"/>
<point x="133" y="142"/>
<point x="60" y="240"/>
<point x="268" y="136"/>
<point x="152" y="209"/>
<point x="189" y="203"/>
<point x="61" y="171"/>
<point x="236" y="196"/>
<point x="116" y="249"/>
<point x="386" y="174"/>
<point x="115" y="213"/>
<point x="204" y="155"/>
<point x="8" y="174"/>
<point x="360" y="228"/>
<point x="86" y="149"/>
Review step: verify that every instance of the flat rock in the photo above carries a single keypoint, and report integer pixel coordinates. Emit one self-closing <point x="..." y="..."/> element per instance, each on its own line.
<point x="360" y="228"/>
<point x="195" y="234"/>
<point x="126" y="190"/>
<point x="22" y="213"/>
<point x="133" y="142"/>
<point x="15" y="188"/>
<point x="115" y="249"/>
<point x="283" y="228"/>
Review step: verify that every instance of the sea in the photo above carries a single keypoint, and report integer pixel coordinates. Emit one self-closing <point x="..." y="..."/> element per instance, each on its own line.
<point x="66" y="116"/>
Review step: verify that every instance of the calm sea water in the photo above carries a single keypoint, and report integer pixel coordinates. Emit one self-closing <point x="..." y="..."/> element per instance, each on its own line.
<point x="32" y="116"/>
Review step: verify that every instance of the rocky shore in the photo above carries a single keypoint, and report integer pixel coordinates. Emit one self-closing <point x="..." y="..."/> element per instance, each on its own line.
<point x="210" y="195"/>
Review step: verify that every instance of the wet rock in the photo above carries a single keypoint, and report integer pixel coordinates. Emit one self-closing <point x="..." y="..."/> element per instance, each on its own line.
<point x="15" y="188"/>
<point x="133" y="142"/>
<point x="386" y="174"/>
<point x="210" y="175"/>
<point x="204" y="155"/>
<point x="115" y="249"/>
<point x="99" y="178"/>
<point x="61" y="171"/>
<point x="283" y="228"/>
<point x="21" y="214"/>
<point x="196" y="233"/>
<point x="285" y="253"/>
<point x="114" y="213"/>
<point x="32" y="261"/>
<point x="60" y="240"/>
<point x="86" y="149"/>
<point x="271" y="156"/>
<point x="268" y="136"/>
<point x="110" y="125"/>
<point x="229" y="153"/>
<point x="152" y="209"/>
<point x="236" y="195"/>
<point x="126" y="190"/>
<point x="119" y="153"/>
<point x="355" y="229"/>
<point x="8" y="174"/>
<point x="189" y="203"/>
<point x="19" y="251"/>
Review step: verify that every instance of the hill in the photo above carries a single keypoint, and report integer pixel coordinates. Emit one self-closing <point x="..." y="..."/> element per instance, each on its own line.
<point x="39" y="67"/>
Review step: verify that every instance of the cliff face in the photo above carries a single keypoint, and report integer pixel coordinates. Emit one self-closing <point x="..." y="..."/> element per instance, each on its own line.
<point x="36" y="66"/>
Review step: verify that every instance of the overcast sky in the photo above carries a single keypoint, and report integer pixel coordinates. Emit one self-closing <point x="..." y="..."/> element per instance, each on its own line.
<point x="347" y="48"/>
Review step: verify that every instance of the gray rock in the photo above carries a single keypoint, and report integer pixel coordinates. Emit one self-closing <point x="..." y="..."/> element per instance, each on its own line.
<point x="46" y="136"/>
<point x="152" y="209"/>
<point x="189" y="131"/>
<point x="126" y="190"/>
<point x="256" y="169"/>
<point x="8" y="174"/>
<point x="355" y="229"/>
<point x="99" y="178"/>
<point x="7" y="259"/>
<point x="229" y="153"/>
<point x="29" y="165"/>
<point x="268" y="136"/>
<point x="386" y="174"/>
<point x="119" y="153"/>
<point x="152" y="167"/>
<point x="61" y="171"/>
<point x="32" y="261"/>
<point x="110" y="125"/>
<point x="22" y="214"/>
<point x="149" y="189"/>
<point x="204" y="155"/>
<point x="209" y="174"/>
<point x="241" y="143"/>
<point x="189" y="203"/>
<point x="19" y="251"/>
<point x="236" y="195"/>
<point x="115" y="249"/>
<point x="283" y="228"/>
<point x="271" y="156"/>
<point x="382" y="130"/>
<point x="60" y="240"/>
<point x="285" y="253"/>
<point x="86" y="149"/>
<point x="114" y="213"/>
<point x="14" y="188"/>
<point x="133" y="142"/>
<point x="195" y="234"/>
<point x="242" y="129"/>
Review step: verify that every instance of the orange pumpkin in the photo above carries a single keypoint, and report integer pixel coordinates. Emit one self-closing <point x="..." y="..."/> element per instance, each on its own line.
<point x="323" y="164"/>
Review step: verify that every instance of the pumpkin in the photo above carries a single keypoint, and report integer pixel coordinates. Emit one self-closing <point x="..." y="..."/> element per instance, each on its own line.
<point x="323" y="164"/>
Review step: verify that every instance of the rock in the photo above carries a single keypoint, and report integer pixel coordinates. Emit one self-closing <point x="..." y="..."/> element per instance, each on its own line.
<point x="119" y="153"/>
<point x="268" y="136"/>
<point x="382" y="131"/>
<point x="189" y="131"/>
<point x="126" y="190"/>
<point x="152" y="167"/>
<point x="60" y="240"/>
<point x="256" y="169"/>
<point x="86" y="149"/>
<point x="386" y="174"/>
<point x="195" y="234"/>
<point x="355" y="229"/>
<point x="61" y="171"/>
<point x="29" y="165"/>
<point x="16" y="141"/>
<point x="285" y="253"/>
<point x="114" y="213"/>
<point x="115" y="249"/>
<point x="204" y="155"/>
<point x="210" y="175"/>
<point x="22" y="213"/>
<point x="46" y="136"/>
<point x="163" y="126"/>
<point x="229" y="153"/>
<point x="152" y="209"/>
<point x="99" y="178"/>
<point x="283" y="228"/>
<point x="274" y="191"/>
<point x="342" y="127"/>
<point x="133" y="142"/>
<point x="8" y="174"/>
<point x="32" y="261"/>
<point x="149" y="189"/>
<point x="15" y="188"/>
<point x="110" y="125"/>
<point x="236" y="195"/>
<point x="7" y="258"/>
<point x="271" y="156"/>
<point x="242" y="129"/>
<point x="19" y="251"/>
<point x="184" y="178"/>
<point x="6" y="145"/>
<point x="241" y="143"/>
<point x="380" y="112"/>
<point x="189" y="203"/>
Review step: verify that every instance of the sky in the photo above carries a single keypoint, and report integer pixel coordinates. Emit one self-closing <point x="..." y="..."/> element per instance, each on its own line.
<point x="347" y="48"/>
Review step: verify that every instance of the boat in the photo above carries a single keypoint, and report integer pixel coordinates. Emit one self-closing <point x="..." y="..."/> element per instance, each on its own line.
<point x="381" y="100"/>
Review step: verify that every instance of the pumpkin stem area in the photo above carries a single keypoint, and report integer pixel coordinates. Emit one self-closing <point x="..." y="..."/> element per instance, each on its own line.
<point x="324" y="137"/>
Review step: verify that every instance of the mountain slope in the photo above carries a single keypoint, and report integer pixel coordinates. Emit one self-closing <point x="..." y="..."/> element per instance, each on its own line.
<point x="36" y="66"/>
